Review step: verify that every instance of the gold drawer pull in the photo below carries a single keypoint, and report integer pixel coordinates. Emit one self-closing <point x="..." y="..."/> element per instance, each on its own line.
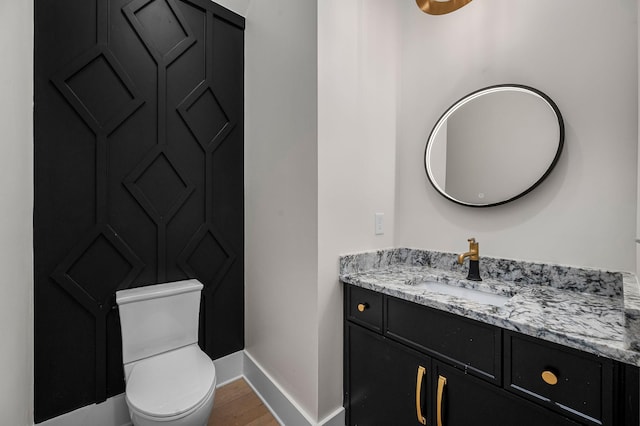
<point x="421" y="372"/>
<point x="442" y="382"/>
<point x="363" y="306"/>
<point x="549" y="377"/>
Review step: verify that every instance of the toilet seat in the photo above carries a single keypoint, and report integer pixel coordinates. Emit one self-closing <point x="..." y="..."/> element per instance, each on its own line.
<point x="171" y="385"/>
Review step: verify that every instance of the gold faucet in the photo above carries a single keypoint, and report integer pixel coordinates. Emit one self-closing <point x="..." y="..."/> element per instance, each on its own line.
<point x="472" y="254"/>
<point x="474" y="257"/>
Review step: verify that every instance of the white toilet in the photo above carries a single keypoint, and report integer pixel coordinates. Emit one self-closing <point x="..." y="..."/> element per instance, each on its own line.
<point x="169" y="380"/>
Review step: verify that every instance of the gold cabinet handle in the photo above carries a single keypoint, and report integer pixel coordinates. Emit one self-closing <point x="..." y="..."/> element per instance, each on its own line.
<point x="421" y="372"/>
<point x="442" y="381"/>
<point x="362" y="306"/>
<point x="549" y="377"/>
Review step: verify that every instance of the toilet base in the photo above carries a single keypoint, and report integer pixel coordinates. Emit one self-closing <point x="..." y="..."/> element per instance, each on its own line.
<point x="196" y="417"/>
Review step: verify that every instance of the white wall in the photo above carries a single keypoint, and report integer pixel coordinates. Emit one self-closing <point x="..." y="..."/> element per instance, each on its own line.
<point x="16" y="195"/>
<point x="312" y="188"/>
<point x="238" y="6"/>
<point x="584" y="57"/>
<point x="637" y="270"/>
<point x="357" y="72"/>
<point x="281" y="210"/>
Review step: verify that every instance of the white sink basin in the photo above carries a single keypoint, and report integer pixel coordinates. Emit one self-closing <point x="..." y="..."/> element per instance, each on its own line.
<point x="465" y="293"/>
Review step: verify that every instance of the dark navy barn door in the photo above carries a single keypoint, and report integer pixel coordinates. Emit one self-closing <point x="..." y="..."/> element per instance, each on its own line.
<point x="138" y="179"/>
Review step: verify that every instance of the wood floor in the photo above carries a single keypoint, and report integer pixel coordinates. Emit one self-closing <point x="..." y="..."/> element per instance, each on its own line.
<point x="236" y="404"/>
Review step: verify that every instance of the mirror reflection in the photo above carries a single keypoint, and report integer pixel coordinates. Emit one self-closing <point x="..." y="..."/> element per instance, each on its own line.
<point x="494" y="145"/>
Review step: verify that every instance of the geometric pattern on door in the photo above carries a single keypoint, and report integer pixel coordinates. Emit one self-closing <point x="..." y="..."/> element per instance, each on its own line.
<point x="103" y="93"/>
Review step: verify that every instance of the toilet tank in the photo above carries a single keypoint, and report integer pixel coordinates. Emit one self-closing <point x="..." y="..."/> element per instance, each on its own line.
<point x="158" y="318"/>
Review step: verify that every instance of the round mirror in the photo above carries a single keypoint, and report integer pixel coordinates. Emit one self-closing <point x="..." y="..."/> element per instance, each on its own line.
<point x="494" y="145"/>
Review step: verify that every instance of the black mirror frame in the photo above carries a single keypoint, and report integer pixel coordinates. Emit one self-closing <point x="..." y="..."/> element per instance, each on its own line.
<point x="532" y="187"/>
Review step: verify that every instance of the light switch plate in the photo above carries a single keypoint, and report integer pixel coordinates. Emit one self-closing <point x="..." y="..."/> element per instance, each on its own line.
<point x="379" y="223"/>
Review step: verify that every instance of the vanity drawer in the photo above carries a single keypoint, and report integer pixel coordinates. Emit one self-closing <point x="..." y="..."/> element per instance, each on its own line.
<point x="364" y="307"/>
<point x="470" y="345"/>
<point x="572" y="382"/>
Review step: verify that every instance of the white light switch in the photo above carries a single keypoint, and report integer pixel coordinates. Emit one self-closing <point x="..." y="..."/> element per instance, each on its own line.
<point x="379" y="223"/>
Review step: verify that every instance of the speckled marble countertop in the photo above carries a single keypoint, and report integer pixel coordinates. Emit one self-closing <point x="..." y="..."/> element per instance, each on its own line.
<point x="588" y="309"/>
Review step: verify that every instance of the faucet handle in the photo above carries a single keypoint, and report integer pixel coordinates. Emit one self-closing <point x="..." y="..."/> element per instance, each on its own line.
<point x="473" y="248"/>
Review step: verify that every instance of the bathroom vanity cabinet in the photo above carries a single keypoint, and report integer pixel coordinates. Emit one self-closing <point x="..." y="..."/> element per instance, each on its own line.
<point x="408" y="364"/>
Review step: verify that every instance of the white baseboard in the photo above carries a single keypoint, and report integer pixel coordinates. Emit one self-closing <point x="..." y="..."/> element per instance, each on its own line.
<point x="279" y="402"/>
<point x="114" y="411"/>
<point x="337" y="418"/>
<point x="285" y="409"/>
<point x="229" y="368"/>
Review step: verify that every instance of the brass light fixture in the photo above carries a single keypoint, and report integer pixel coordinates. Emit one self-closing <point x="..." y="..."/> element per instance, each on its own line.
<point x="440" y="7"/>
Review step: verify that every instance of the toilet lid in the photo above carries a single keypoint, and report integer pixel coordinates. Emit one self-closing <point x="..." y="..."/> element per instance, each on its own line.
<point x="172" y="383"/>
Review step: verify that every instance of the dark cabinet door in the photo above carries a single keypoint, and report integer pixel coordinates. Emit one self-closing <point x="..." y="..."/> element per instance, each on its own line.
<point x="463" y="400"/>
<point x="382" y="379"/>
